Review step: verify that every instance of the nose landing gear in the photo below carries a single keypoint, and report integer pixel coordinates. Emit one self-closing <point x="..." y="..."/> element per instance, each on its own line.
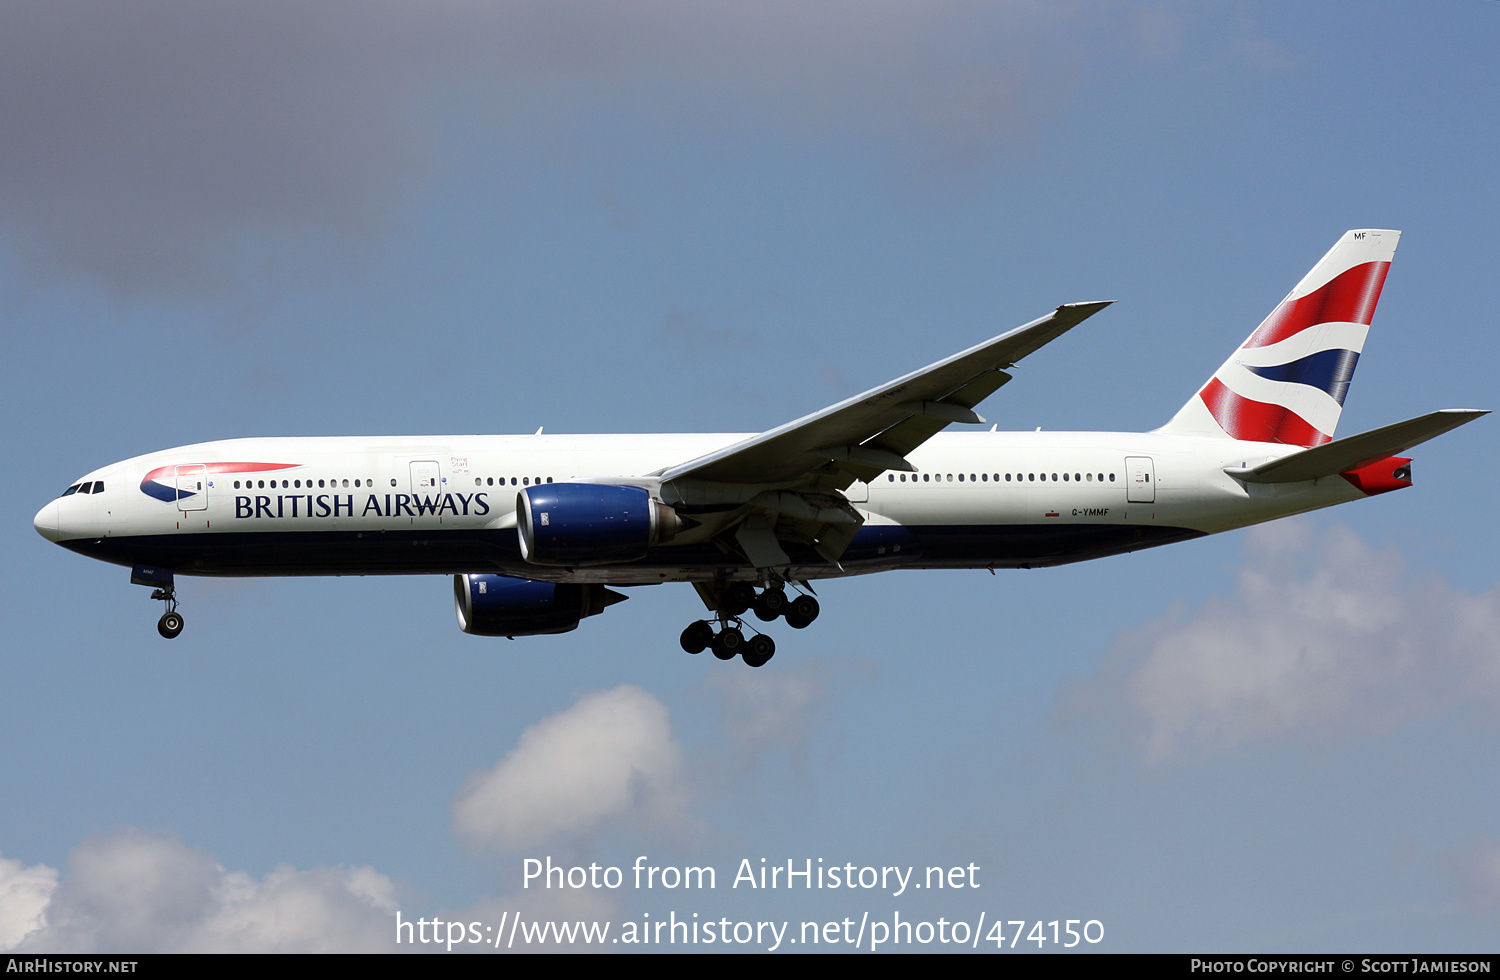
<point x="170" y="623"/>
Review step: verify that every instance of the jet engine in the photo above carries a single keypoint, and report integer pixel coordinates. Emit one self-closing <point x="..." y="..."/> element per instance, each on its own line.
<point x="498" y="605"/>
<point x="591" y="524"/>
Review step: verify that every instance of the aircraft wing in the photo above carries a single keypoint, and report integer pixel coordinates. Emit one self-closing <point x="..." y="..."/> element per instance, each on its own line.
<point x="865" y="435"/>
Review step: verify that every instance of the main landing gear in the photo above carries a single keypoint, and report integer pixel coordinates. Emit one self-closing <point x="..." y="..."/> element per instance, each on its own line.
<point x="729" y="642"/>
<point x="733" y="602"/>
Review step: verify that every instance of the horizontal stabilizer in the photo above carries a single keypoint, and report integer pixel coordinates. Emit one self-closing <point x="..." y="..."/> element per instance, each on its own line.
<point x="1351" y="453"/>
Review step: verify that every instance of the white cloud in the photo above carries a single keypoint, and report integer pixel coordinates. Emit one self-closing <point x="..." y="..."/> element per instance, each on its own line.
<point x="610" y="755"/>
<point x="24" y="894"/>
<point x="138" y="892"/>
<point x="610" y="760"/>
<point x="132" y="891"/>
<point x="773" y="710"/>
<point x="1323" y="636"/>
<point x="325" y="910"/>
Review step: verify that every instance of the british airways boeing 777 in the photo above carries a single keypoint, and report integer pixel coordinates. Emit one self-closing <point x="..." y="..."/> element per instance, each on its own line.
<point x="536" y="528"/>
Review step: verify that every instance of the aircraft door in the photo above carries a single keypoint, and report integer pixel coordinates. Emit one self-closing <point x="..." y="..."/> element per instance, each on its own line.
<point x="426" y="477"/>
<point x="1140" y="480"/>
<point x="192" y="487"/>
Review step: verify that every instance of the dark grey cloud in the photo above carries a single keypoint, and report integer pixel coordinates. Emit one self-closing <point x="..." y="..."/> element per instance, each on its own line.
<point x="140" y="141"/>
<point x="147" y="145"/>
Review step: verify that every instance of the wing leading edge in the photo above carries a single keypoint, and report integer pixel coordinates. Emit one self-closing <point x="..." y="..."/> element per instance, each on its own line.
<point x="863" y="436"/>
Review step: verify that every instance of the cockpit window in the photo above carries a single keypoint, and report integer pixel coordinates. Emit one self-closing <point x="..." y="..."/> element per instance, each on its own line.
<point x="72" y="489"/>
<point x="98" y="486"/>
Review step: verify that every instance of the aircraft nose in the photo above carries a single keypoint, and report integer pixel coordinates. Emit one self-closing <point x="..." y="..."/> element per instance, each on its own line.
<point x="48" y="521"/>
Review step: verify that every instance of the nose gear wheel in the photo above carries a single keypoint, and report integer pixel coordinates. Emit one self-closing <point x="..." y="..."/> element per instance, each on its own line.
<point x="171" y="622"/>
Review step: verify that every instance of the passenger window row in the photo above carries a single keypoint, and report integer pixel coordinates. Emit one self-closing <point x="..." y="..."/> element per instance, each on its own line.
<point x="299" y="484"/>
<point x="335" y="484"/>
<point x="524" y="481"/>
<point x="1008" y="478"/>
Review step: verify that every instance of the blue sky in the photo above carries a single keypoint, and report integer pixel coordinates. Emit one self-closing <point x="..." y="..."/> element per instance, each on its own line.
<point x="294" y="219"/>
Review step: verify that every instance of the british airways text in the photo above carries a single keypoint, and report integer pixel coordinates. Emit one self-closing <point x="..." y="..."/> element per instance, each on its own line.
<point x="343" y="505"/>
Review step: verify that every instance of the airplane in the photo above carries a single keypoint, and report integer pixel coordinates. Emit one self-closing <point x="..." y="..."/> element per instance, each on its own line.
<point x="535" y="528"/>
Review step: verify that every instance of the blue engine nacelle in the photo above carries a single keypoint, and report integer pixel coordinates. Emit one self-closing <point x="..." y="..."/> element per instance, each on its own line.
<point x="498" y="605"/>
<point x="590" y="524"/>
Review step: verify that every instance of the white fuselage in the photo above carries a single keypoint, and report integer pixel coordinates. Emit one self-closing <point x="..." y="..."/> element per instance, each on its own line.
<point x="448" y="503"/>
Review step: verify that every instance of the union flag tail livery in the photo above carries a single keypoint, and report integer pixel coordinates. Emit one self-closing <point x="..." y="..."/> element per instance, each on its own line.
<point x="1286" y="383"/>
<point x="536" y="528"/>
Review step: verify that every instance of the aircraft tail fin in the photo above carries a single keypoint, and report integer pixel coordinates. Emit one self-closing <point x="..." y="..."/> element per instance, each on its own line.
<point x="1287" y="382"/>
